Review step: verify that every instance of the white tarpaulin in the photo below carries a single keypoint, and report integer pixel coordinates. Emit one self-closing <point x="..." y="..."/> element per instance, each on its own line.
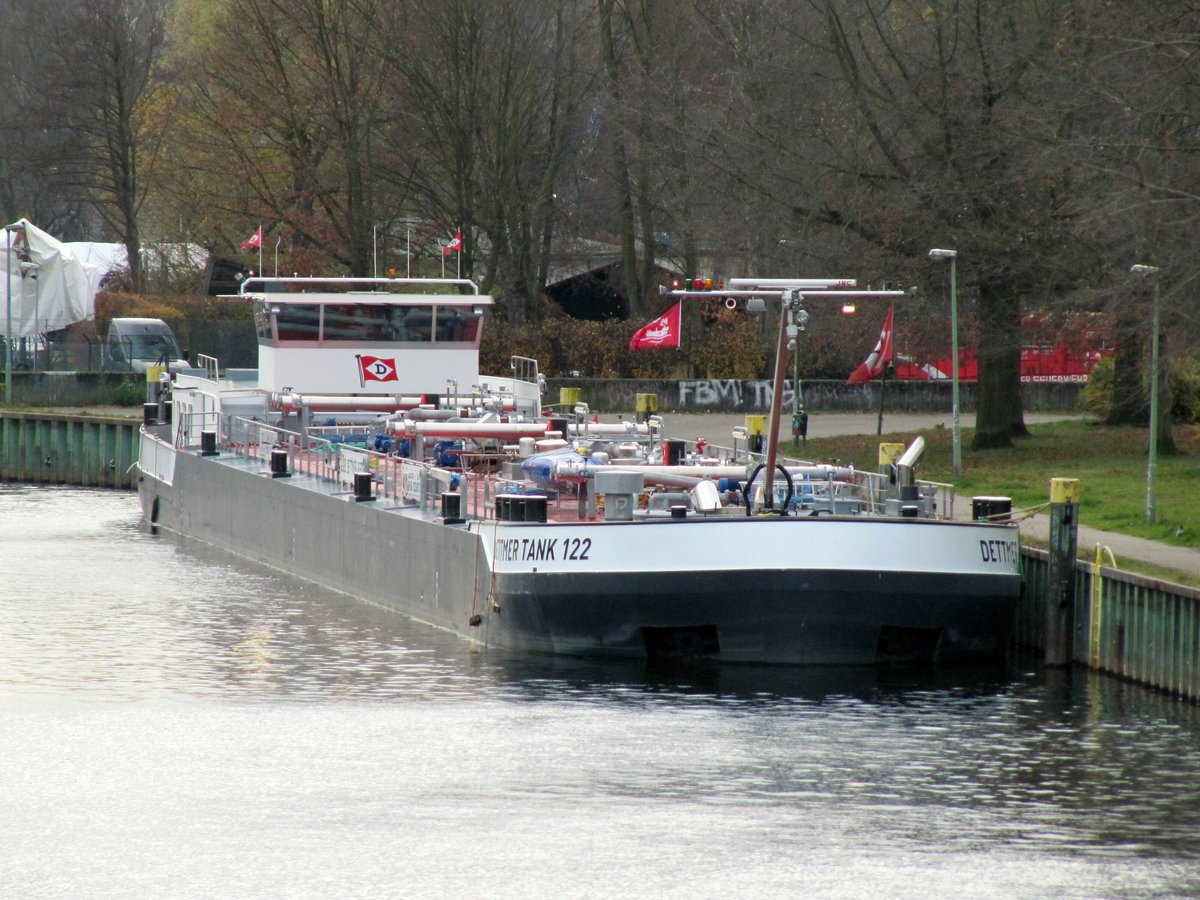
<point x="51" y="284"/>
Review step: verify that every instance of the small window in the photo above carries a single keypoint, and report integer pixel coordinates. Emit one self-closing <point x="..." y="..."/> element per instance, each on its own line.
<point x="456" y="325"/>
<point x="412" y="323"/>
<point x="298" y="323"/>
<point x="357" y="322"/>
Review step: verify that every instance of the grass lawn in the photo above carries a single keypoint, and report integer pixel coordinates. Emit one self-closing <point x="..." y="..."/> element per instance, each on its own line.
<point x="1110" y="464"/>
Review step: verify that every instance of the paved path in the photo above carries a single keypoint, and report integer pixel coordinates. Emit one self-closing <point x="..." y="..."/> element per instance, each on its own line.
<point x="717" y="429"/>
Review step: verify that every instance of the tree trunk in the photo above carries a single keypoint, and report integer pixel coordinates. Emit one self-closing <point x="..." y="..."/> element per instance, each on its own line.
<point x="998" y="416"/>
<point x="620" y="160"/>
<point x="1129" y="406"/>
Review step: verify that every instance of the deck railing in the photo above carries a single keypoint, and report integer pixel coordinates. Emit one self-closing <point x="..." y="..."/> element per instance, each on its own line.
<point x="402" y="481"/>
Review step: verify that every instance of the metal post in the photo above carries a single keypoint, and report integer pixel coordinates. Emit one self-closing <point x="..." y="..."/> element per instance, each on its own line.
<point x="957" y="436"/>
<point x="1060" y="575"/>
<point x="8" y="317"/>
<point x="34" y="268"/>
<point x="37" y="332"/>
<point x="1152" y="456"/>
<point x="776" y="403"/>
<point x="952" y="255"/>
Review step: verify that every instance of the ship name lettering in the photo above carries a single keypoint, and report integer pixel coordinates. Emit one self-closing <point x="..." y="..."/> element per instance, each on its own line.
<point x="576" y="548"/>
<point x="998" y="551"/>
<point x="538" y="549"/>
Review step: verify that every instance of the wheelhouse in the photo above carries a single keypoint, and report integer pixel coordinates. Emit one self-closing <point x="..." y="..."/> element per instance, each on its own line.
<point x="367" y="335"/>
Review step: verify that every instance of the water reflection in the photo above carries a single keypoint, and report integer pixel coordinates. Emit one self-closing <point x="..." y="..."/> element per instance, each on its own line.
<point x="1012" y="773"/>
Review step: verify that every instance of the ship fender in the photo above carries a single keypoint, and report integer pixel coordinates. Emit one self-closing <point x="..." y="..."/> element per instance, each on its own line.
<point x="787" y="500"/>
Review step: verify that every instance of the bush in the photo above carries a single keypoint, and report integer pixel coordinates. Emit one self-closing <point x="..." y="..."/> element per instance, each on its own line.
<point x="129" y="393"/>
<point x="1184" y="381"/>
<point x="1096" y="396"/>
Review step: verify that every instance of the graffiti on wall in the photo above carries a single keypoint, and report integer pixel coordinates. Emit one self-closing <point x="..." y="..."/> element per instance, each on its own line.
<point x="730" y="394"/>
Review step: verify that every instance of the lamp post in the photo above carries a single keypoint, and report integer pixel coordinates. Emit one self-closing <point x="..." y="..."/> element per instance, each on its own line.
<point x="8" y="316"/>
<point x="952" y="255"/>
<point x="30" y="270"/>
<point x="1152" y="454"/>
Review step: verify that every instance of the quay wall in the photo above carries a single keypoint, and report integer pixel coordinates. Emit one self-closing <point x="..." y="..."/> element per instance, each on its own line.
<point x="1141" y="629"/>
<point x="54" y="448"/>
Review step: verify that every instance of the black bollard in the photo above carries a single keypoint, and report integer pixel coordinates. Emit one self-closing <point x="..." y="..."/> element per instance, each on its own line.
<point x="362" y="487"/>
<point x="279" y="463"/>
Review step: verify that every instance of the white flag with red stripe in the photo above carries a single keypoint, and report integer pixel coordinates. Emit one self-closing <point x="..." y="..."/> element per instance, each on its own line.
<point x="875" y="363"/>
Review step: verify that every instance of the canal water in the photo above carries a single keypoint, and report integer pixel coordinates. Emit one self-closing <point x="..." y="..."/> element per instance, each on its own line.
<point x="178" y="723"/>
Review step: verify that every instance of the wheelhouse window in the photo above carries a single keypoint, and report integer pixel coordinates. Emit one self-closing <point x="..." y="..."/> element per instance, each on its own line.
<point x="297" y="322"/>
<point x="367" y="323"/>
<point x="455" y="324"/>
<point x="357" y="322"/>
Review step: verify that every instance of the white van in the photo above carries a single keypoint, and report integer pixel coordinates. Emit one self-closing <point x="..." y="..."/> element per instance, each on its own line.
<point x="135" y="344"/>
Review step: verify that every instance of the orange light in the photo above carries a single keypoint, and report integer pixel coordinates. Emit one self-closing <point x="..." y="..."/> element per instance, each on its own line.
<point x="708" y="284"/>
<point x="848" y="309"/>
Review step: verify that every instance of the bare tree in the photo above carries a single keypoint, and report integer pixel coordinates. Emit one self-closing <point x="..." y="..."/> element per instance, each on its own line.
<point x="102" y="68"/>
<point x="1137" y="71"/>
<point x="492" y="95"/>
<point x="917" y="124"/>
<point x="287" y="126"/>
<point x="34" y="137"/>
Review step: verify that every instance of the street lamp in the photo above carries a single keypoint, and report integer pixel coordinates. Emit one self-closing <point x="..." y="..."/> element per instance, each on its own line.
<point x="31" y="270"/>
<point x="1152" y="455"/>
<point x="8" y="317"/>
<point x="952" y="255"/>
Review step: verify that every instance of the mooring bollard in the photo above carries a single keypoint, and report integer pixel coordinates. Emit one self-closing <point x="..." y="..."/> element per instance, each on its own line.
<point x="1060" y="577"/>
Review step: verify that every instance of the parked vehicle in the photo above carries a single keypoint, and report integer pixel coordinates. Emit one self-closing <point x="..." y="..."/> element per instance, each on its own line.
<point x="133" y="345"/>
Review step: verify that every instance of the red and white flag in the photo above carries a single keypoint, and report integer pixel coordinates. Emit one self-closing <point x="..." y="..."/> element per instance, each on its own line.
<point x="455" y="245"/>
<point x="254" y="242"/>
<point x="662" y="332"/>
<point x="376" y="369"/>
<point x="878" y="358"/>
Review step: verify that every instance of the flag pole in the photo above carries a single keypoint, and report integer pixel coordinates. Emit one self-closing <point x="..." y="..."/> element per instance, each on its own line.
<point x="260" y="248"/>
<point x="408" y="254"/>
<point x="882" y="387"/>
<point x="278" y="240"/>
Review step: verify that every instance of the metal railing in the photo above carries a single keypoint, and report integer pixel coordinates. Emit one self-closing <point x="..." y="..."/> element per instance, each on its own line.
<point x="402" y="481"/>
<point x="871" y="488"/>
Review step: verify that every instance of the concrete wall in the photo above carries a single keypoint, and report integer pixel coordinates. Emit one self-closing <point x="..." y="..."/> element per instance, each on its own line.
<point x="729" y="395"/>
<point x="620" y="394"/>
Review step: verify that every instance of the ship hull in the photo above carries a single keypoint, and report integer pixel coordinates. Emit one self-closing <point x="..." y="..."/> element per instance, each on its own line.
<point x="791" y="591"/>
